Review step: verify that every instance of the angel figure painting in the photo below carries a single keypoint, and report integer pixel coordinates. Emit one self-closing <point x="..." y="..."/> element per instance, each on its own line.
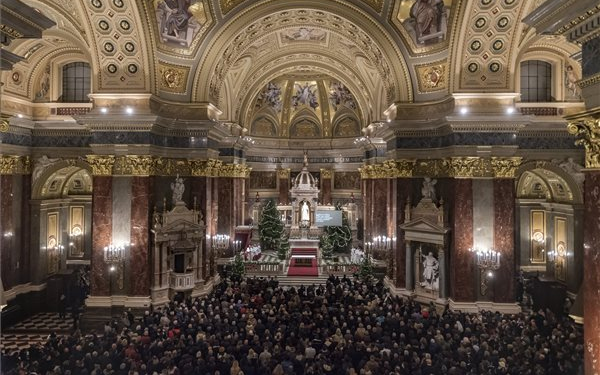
<point x="179" y="21"/>
<point x="305" y="95"/>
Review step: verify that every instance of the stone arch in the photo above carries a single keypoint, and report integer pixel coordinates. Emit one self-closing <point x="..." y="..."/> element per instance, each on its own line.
<point x="572" y="185"/>
<point x="233" y="39"/>
<point x="45" y="173"/>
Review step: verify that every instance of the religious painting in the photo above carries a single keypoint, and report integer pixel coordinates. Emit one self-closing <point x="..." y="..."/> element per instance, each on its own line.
<point x="180" y="21"/>
<point x="263" y="126"/>
<point x="347" y="127"/>
<point x="263" y="180"/>
<point x="270" y="96"/>
<point x="346" y="180"/>
<point x="304" y="129"/>
<point x="339" y="95"/>
<point x="305" y="93"/>
<point x="538" y="236"/>
<point x="426" y="21"/>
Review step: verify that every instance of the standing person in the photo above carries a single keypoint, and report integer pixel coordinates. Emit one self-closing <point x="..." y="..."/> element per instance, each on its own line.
<point x="62" y="306"/>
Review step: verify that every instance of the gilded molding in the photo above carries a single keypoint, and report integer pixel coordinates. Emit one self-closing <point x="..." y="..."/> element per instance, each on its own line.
<point x="13" y="164"/>
<point x="326" y="173"/>
<point x="592" y="80"/>
<point x="283" y="173"/>
<point x="587" y="131"/>
<point x="171" y="167"/>
<point x="102" y="165"/>
<point x="505" y="167"/>
<point x="227" y="5"/>
<point x="173" y="78"/>
<point x="133" y="165"/>
<point x="234" y="170"/>
<point x="432" y="77"/>
<point x="4" y="125"/>
<point x="468" y="167"/>
<point x="205" y="168"/>
<point x="388" y="169"/>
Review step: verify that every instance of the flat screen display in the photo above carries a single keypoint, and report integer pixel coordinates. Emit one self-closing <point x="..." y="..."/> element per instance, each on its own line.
<point x="330" y="218"/>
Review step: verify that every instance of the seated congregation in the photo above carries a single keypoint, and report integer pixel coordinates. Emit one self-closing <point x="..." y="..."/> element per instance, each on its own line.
<point x="343" y="327"/>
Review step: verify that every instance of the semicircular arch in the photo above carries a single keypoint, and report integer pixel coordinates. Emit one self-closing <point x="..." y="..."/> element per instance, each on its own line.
<point x="546" y="171"/>
<point x="45" y="175"/>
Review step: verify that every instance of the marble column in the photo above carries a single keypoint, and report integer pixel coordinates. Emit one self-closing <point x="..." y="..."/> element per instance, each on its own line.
<point x="200" y="189"/>
<point x="443" y="287"/>
<point x="226" y="206"/>
<point x="25" y="230"/>
<point x="591" y="272"/>
<point x="379" y="208"/>
<point x="409" y="267"/>
<point x="101" y="233"/>
<point x="283" y="184"/>
<point x="367" y="188"/>
<point x="504" y="240"/>
<point x="141" y="196"/>
<point x="462" y="269"/>
<point x="326" y="187"/>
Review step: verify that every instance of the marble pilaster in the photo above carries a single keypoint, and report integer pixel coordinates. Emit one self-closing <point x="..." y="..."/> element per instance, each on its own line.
<point x="7" y="234"/>
<point x="379" y="208"/>
<point x="226" y="206"/>
<point x="141" y="196"/>
<point x="284" y="190"/>
<point x="591" y="272"/>
<point x="504" y="240"/>
<point x="462" y="268"/>
<point x="326" y="190"/>
<point x="409" y="265"/>
<point x="101" y="233"/>
<point x="403" y="191"/>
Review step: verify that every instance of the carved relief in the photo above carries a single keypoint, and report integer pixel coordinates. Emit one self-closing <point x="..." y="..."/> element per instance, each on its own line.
<point x="505" y="167"/>
<point x="432" y="77"/>
<point x="133" y="165"/>
<point x="12" y="164"/>
<point x="102" y="165"/>
<point x="587" y="131"/>
<point x="173" y="78"/>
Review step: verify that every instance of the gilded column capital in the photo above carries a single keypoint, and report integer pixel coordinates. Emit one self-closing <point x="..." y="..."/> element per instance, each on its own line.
<point x="283" y="173"/>
<point x="170" y="167"/>
<point x="467" y="167"/>
<point x="133" y="165"/>
<point x="388" y="169"/>
<point x="102" y="165"/>
<point x="405" y="167"/>
<point x="234" y="170"/>
<point x="326" y="173"/>
<point x="505" y="167"/>
<point x="587" y="131"/>
<point x="14" y="164"/>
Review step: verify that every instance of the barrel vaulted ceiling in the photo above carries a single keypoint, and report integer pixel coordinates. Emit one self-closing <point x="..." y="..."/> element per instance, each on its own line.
<point x="225" y="52"/>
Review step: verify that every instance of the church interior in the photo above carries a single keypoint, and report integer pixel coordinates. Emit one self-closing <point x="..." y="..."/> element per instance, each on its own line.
<point x="321" y="187"/>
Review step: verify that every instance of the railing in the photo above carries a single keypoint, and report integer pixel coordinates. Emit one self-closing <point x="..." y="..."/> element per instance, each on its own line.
<point x="264" y="268"/>
<point x="339" y="269"/>
<point x="541" y="111"/>
<point x="181" y="281"/>
<point x="69" y="111"/>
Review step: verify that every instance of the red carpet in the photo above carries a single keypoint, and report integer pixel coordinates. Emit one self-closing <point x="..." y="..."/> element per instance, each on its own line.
<point x="312" y="270"/>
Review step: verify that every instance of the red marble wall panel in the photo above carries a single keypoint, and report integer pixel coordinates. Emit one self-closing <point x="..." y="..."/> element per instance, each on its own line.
<point x="239" y="202"/>
<point x="367" y="212"/>
<point x="201" y="189"/>
<point x="403" y="192"/>
<point x="284" y="190"/>
<point x="326" y="191"/>
<point x="141" y="196"/>
<point x="504" y="239"/>
<point x="7" y="226"/>
<point x="225" y="207"/>
<point x="25" y="267"/>
<point x="591" y="273"/>
<point x="462" y="269"/>
<point x="101" y="233"/>
<point x="214" y="185"/>
<point x="379" y="208"/>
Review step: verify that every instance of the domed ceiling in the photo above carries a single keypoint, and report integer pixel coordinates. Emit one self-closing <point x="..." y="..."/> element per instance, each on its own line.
<point x="305" y="107"/>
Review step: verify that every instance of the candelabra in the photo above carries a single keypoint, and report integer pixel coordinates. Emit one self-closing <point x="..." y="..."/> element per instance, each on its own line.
<point x="113" y="256"/>
<point x="237" y="246"/>
<point x="220" y="242"/>
<point x="487" y="262"/>
<point x="379" y="246"/>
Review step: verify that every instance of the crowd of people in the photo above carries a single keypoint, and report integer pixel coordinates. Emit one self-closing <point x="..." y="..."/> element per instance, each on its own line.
<point x="346" y="326"/>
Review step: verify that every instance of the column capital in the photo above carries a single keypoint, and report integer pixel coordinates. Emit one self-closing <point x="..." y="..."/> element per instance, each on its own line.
<point x="586" y="127"/>
<point x="14" y="164"/>
<point x="102" y="165"/>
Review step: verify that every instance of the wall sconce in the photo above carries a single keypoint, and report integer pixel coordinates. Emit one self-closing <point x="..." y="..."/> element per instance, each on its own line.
<point x="113" y="256"/>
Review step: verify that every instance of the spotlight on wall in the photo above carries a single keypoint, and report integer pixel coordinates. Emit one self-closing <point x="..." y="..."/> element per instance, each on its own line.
<point x="129" y="110"/>
<point x="464" y="110"/>
<point x="20" y="115"/>
<point x="104" y="110"/>
<point x="510" y="110"/>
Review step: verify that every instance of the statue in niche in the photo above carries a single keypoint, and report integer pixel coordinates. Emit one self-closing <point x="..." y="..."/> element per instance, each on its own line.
<point x="431" y="268"/>
<point x="571" y="84"/>
<point x="178" y="188"/>
<point x="304" y="212"/>
<point x="44" y="90"/>
<point x="428" y="189"/>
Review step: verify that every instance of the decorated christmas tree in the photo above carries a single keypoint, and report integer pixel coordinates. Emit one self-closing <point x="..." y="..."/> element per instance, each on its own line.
<point x="238" y="268"/>
<point x="326" y="245"/>
<point x="340" y="237"/>
<point x="284" y="247"/>
<point x="365" y="272"/>
<point x="270" y="227"/>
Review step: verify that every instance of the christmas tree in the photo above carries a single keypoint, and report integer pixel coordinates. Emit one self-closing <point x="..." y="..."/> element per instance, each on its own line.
<point x="270" y="227"/>
<point x="284" y="247"/>
<point x="238" y="268"/>
<point x="340" y="237"/>
<point x="365" y="272"/>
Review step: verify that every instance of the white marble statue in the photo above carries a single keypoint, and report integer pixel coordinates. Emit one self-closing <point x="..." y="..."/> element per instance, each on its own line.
<point x="304" y="211"/>
<point x="430" y="270"/>
<point x="41" y="164"/>
<point x="178" y="188"/>
<point x="428" y="189"/>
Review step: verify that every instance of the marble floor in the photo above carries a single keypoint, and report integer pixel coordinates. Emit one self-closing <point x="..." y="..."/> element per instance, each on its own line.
<point x="33" y="331"/>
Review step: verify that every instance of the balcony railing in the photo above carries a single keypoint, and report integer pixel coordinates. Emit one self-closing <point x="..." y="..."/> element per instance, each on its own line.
<point x="264" y="268"/>
<point x="181" y="281"/>
<point x="339" y="269"/>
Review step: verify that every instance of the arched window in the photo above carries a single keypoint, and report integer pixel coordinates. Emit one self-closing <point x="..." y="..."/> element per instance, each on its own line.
<point x="536" y="81"/>
<point x="76" y="83"/>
